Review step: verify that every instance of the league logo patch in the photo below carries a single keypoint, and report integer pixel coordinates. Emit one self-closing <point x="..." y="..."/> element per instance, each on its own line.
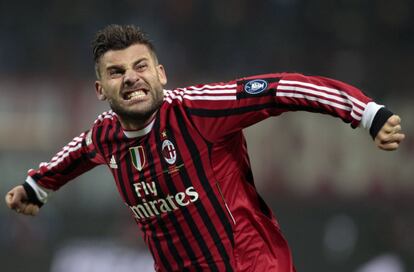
<point x="255" y="86"/>
<point x="169" y="152"/>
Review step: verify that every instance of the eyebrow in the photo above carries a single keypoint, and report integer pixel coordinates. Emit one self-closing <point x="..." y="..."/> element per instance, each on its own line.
<point x="117" y="66"/>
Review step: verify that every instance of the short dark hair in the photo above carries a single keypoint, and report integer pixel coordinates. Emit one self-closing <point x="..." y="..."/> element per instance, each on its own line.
<point x="118" y="37"/>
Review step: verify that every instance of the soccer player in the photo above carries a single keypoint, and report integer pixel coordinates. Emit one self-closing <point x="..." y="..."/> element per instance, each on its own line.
<point x="179" y="157"/>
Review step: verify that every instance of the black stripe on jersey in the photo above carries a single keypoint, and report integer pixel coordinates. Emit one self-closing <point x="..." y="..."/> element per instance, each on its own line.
<point x="91" y="154"/>
<point x="192" y="225"/>
<point x="36" y="177"/>
<point x="268" y="80"/>
<point x="308" y="109"/>
<point x="117" y="151"/>
<point x="129" y="167"/>
<point x="268" y="92"/>
<point x="228" y="112"/>
<point x="192" y="147"/>
<point x="252" y="108"/>
<point x="75" y="163"/>
<point x="262" y="204"/>
<point x="106" y="139"/>
<point x="301" y="108"/>
<point x="160" y="222"/>
<point x="98" y="140"/>
<point x="201" y="210"/>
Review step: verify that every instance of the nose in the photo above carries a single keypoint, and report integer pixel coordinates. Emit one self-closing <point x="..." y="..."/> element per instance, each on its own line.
<point x="130" y="77"/>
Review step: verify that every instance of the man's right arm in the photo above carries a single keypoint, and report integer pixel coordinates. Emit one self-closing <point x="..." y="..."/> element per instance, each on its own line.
<point x="77" y="157"/>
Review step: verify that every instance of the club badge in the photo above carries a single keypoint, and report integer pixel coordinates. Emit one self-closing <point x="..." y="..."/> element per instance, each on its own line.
<point x="169" y="152"/>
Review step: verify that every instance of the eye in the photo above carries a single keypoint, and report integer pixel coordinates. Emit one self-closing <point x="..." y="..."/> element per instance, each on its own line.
<point x="141" y="67"/>
<point x="115" y="72"/>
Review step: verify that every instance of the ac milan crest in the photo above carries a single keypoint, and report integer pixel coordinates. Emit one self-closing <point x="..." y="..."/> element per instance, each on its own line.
<point x="169" y="152"/>
<point x="138" y="157"/>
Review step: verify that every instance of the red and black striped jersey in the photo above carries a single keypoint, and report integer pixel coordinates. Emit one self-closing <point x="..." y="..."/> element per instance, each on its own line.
<point x="186" y="176"/>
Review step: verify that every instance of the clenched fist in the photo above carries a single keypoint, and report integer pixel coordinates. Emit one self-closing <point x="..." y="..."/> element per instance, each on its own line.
<point x="390" y="135"/>
<point x="17" y="200"/>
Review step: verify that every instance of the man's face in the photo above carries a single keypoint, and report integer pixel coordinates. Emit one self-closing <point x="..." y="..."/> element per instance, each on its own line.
<point x="132" y="81"/>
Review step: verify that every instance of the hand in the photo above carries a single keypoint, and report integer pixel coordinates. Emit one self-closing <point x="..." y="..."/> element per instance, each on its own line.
<point x="390" y="136"/>
<point x="17" y="200"/>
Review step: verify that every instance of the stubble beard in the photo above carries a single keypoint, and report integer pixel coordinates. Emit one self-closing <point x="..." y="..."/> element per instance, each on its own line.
<point x="136" y="117"/>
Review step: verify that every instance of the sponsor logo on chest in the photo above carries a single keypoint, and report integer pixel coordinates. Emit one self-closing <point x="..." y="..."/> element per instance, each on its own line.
<point x="151" y="204"/>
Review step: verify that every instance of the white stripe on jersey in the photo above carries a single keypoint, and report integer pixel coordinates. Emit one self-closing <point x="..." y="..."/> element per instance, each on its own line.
<point x="207" y="97"/>
<point x="107" y="114"/>
<point x="76" y="141"/>
<point x="356" y="117"/>
<point x="53" y="164"/>
<point x="170" y="96"/>
<point x="323" y="101"/>
<point x="319" y="94"/>
<point x="323" y="88"/>
<point x="206" y="92"/>
<point x="220" y="91"/>
<point x="212" y="87"/>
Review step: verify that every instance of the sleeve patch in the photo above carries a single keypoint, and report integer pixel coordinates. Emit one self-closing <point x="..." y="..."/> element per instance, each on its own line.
<point x="256" y="87"/>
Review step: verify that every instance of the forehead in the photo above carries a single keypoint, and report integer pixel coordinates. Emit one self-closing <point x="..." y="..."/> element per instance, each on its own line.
<point x="125" y="56"/>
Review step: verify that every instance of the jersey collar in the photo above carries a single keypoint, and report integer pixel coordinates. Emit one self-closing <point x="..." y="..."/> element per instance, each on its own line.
<point x="141" y="132"/>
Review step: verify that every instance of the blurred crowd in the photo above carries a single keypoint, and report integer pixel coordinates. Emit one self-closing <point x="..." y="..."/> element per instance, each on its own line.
<point x="368" y="43"/>
<point x="313" y="170"/>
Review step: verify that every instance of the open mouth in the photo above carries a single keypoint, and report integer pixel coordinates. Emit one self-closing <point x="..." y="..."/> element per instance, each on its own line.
<point x="135" y="94"/>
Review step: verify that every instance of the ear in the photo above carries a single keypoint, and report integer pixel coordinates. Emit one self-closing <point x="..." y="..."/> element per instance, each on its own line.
<point x="161" y="74"/>
<point x="100" y="92"/>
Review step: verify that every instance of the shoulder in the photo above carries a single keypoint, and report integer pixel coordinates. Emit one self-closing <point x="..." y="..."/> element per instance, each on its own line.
<point x="104" y="122"/>
<point x="105" y="118"/>
<point x="210" y="91"/>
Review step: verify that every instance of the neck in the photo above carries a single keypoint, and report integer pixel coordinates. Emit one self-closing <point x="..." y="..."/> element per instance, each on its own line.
<point x="134" y="123"/>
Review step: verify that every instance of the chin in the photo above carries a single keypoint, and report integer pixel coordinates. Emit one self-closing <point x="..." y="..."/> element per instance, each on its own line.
<point x="140" y="112"/>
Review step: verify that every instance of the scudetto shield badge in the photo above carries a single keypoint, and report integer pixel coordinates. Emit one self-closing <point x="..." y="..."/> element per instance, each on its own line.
<point x="138" y="157"/>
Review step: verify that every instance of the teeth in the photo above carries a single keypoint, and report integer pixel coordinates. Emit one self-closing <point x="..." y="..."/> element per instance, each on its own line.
<point x="134" y="94"/>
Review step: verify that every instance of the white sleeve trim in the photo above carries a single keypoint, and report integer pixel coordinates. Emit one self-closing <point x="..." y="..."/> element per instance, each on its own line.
<point x="42" y="193"/>
<point x="369" y="113"/>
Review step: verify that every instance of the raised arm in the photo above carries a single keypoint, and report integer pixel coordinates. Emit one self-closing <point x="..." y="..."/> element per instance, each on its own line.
<point x="75" y="158"/>
<point x="220" y="109"/>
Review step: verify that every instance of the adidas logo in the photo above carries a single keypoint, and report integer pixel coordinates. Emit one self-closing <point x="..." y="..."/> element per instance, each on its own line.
<point x="112" y="162"/>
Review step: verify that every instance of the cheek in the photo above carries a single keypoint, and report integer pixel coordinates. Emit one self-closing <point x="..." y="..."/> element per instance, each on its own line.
<point x="111" y="89"/>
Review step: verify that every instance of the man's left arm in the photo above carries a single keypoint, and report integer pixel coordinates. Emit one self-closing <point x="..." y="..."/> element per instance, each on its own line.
<point x="220" y="109"/>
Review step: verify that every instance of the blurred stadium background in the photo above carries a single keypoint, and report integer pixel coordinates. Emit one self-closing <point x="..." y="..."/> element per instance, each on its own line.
<point x="343" y="205"/>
